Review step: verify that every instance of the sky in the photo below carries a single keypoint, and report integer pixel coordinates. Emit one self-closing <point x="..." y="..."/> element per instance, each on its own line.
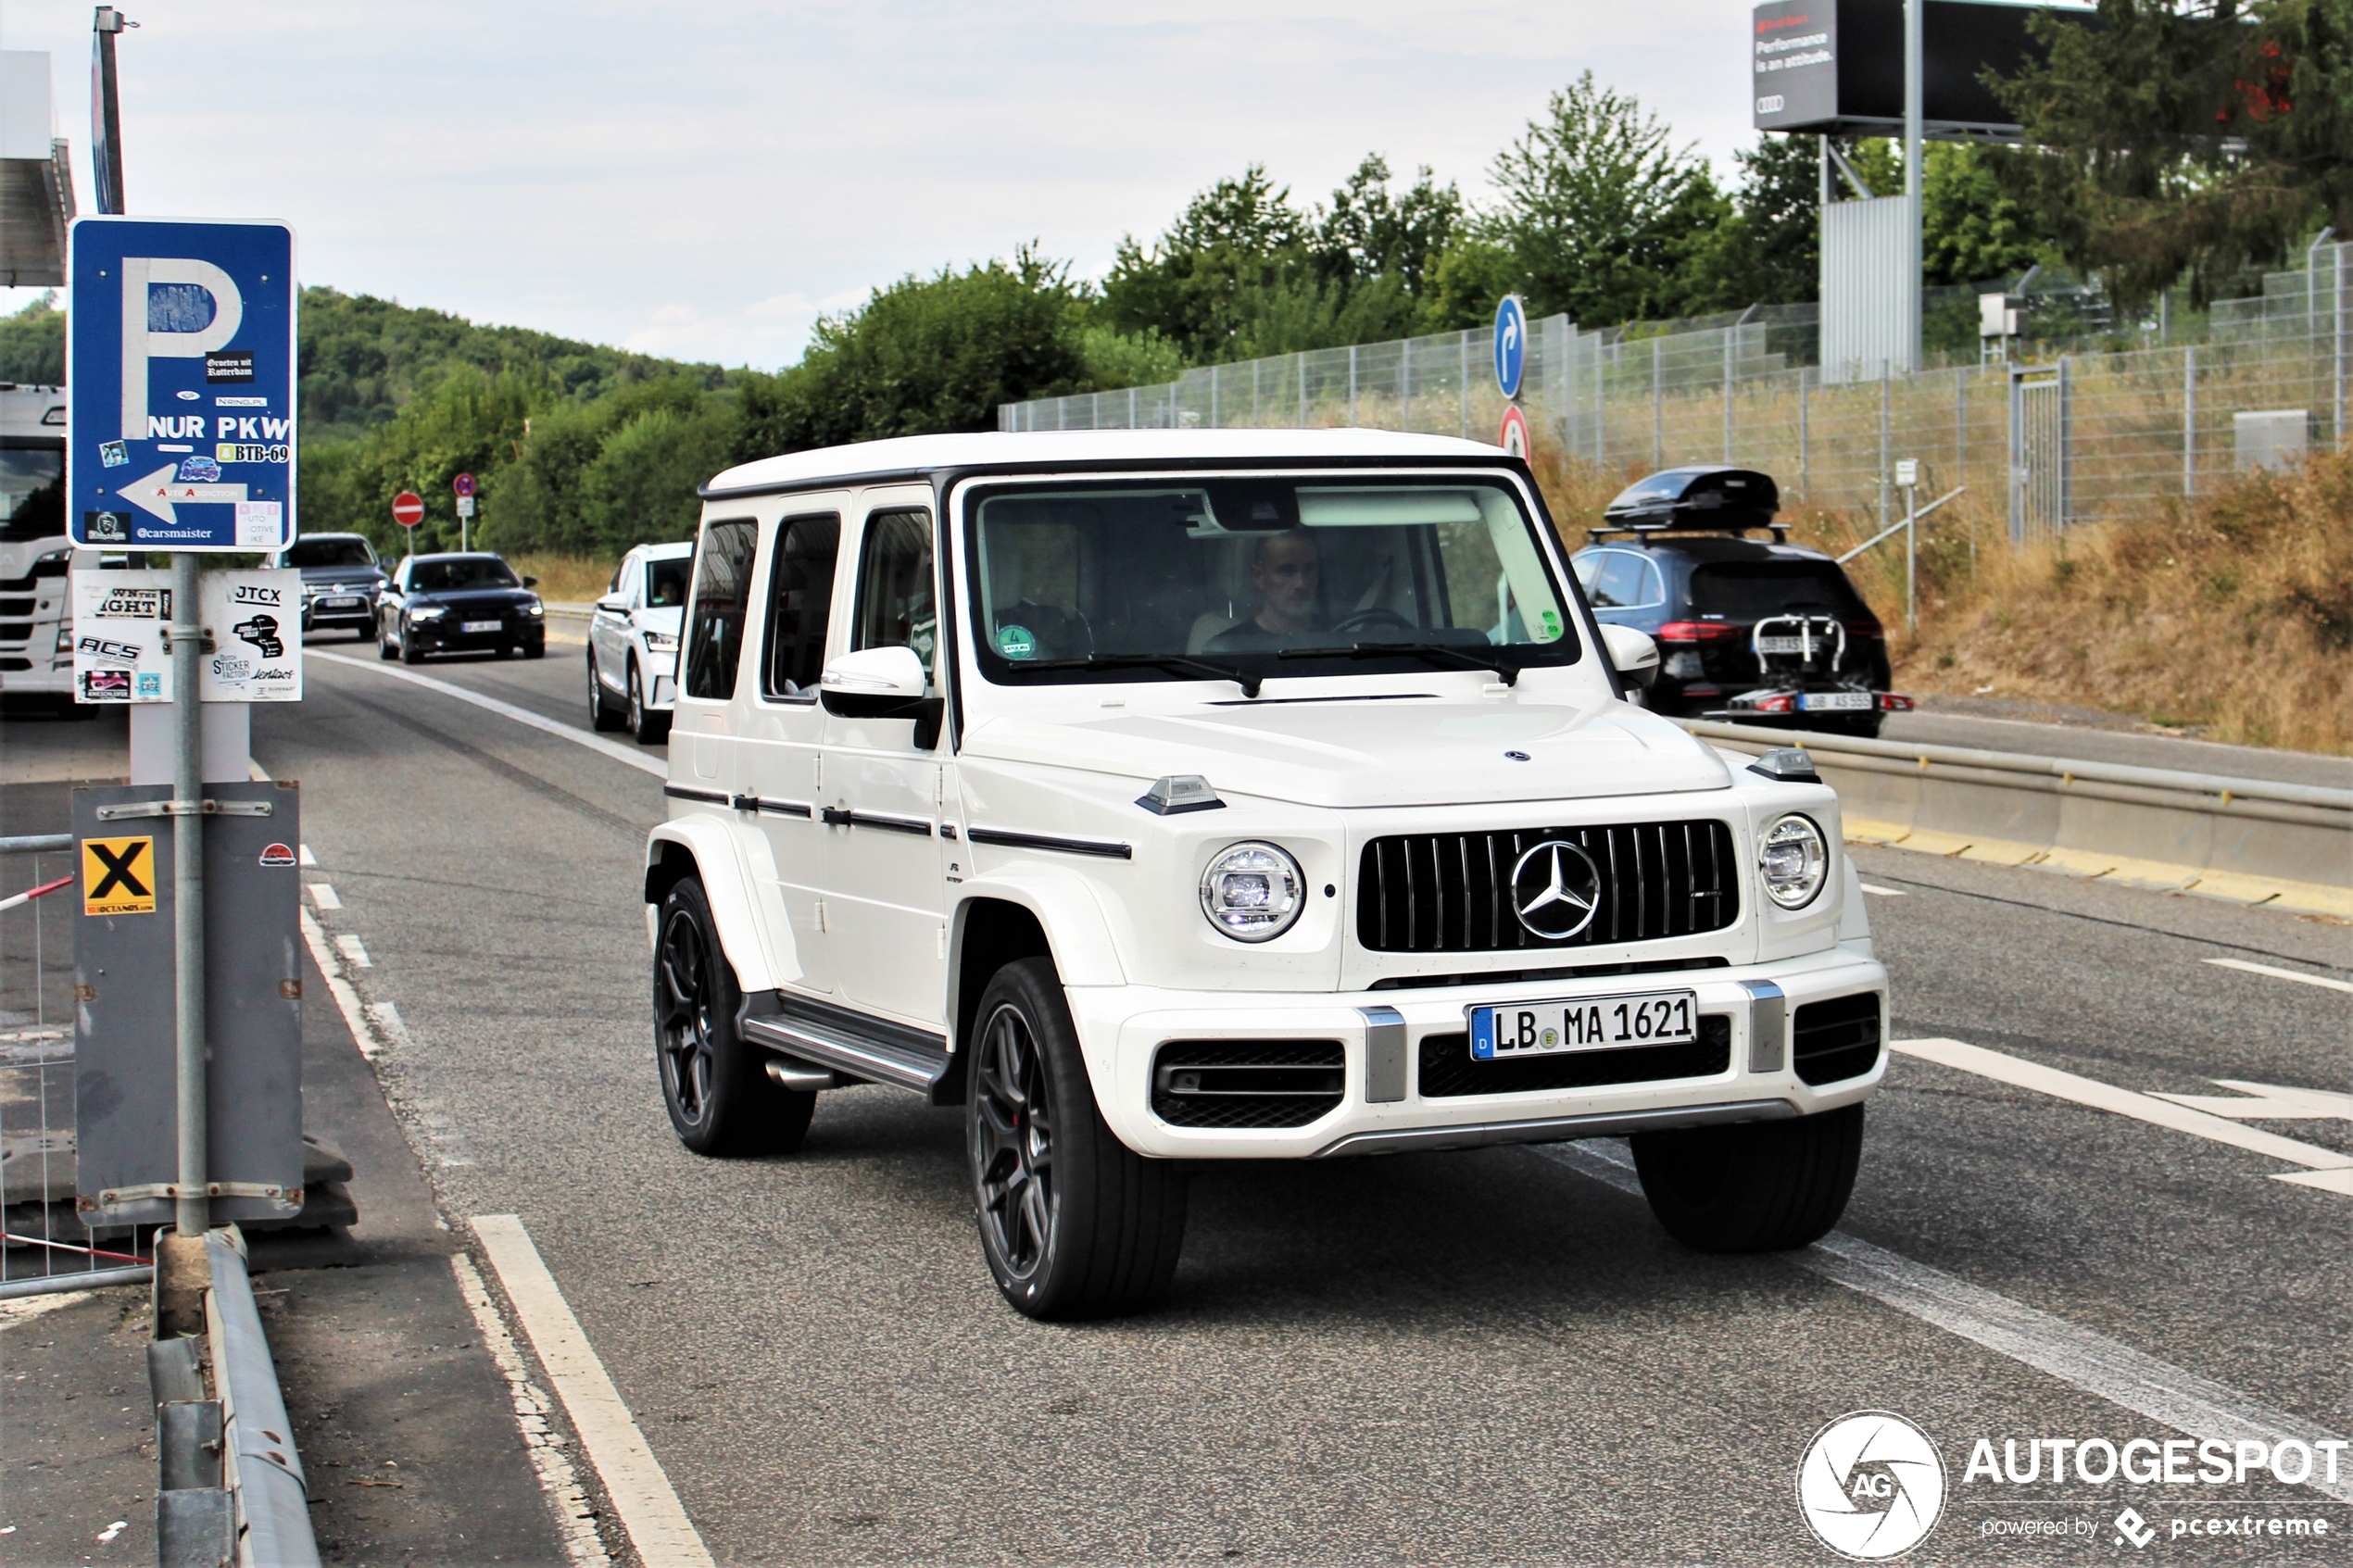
<point x="702" y="181"/>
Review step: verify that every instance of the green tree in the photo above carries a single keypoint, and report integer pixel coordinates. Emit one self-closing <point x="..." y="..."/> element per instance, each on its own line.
<point x="1972" y="227"/>
<point x="32" y="344"/>
<point x="1606" y="219"/>
<point x="1367" y="233"/>
<point x="1768" y="250"/>
<point x="1197" y="285"/>
<point x="2186" y="137"/>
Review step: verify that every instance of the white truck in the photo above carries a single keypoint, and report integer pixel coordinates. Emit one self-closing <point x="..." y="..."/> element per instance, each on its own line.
<point x="1163" y="796"/>
<point x="36" y="603"/>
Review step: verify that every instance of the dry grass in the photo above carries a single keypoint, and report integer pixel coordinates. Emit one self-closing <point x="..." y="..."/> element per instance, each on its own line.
<point x="2232" y="614"/>
<point x="566" y="579"/>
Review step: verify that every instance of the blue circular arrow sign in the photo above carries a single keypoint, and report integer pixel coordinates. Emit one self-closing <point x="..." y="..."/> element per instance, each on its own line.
<point x="1511" y="343"/>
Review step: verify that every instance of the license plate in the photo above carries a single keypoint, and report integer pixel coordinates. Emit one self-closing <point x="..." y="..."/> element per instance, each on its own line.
<point x="1587" y="1024"/>
<point x="1816" y="702"/>
<point x="479" y="626"/>
<point x="1787" y="645"/>
<point x="338" y="604"/>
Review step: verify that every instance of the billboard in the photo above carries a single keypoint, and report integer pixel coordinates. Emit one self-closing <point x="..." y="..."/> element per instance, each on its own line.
<point x="1837" y="66"/>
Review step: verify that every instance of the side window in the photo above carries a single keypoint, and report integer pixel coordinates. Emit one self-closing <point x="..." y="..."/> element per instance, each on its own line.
<point x="1653" y="590"/>
<point x="723" y="592"/>
<point x="895" y="606"/>
<point x="801" y="597"/>
<point x="1620" y="583"/>
<point x="1587" y="567"/>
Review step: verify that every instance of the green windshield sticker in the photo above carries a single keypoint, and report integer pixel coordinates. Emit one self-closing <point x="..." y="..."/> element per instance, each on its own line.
<point x="1552" y="626"/>
<point x="1016" y="642"/>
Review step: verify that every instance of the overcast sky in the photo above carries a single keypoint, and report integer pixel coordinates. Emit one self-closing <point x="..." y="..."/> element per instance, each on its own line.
<point x="701" y="180"/>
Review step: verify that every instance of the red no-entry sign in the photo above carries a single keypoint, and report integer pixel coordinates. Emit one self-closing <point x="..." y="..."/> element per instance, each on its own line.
<point x="408" y="509"/>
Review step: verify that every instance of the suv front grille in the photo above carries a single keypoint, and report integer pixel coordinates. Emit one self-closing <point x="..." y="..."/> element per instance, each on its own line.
<point x="1451" y="892"/>
<point x="1448" y="1071"/>
<point x="1247" y="1083"/>
<point x="1832" y="1041"/>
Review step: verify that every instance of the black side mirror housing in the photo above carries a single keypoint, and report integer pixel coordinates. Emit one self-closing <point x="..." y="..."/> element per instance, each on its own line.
<point x="531" y="582"/>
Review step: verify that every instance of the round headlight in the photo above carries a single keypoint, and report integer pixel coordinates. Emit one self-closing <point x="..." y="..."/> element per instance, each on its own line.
<point x="1251" y="892"/>
<point x="1794" y="858"/>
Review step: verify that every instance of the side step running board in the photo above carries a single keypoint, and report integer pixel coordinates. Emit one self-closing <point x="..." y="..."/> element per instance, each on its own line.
<point x="884" y="1063"/>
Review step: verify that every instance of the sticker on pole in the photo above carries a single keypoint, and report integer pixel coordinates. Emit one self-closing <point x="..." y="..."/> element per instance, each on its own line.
<point x="118" y="876"/>
<point x="277" y="855"/>
<point x="180" y="349"/>
<point x="1513" y="436"/>
<point x="254" y="619"/>
<point x="1511" y="343"/>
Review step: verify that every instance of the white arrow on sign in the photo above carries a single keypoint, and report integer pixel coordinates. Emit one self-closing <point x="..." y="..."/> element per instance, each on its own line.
<point x="158" y="492"/>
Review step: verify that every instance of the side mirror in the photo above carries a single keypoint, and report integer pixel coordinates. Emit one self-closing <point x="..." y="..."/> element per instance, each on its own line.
<point x="611" y="604"/>
<point x="531" y="582"/>
<point x="1632" y="654"/>
<point x="883" y="672"/>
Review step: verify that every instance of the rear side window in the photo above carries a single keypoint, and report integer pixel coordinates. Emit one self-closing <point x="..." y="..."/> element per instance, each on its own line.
<point x="801" y="597"/>
<point x="895" y="608"/>
<point x="723" y="592"/>
<point x="1625" y="580"/>
<point x="1748" y="590"/>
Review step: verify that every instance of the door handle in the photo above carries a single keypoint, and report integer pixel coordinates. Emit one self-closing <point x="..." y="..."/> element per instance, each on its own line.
<point x="833" y="818"/>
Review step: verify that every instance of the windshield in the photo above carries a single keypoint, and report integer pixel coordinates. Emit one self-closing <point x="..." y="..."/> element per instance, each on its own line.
<point x="666" y="582"/>
<point x="1747" y="589"/>
<point x="457" y="573"/>
<point x="33" y="490"/>
<point x="330" y="550"/>
<point x="1265" y="577"/>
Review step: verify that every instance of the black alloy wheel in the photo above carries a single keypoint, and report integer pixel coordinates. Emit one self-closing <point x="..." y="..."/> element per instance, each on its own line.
<point x="714" y="1083"/>
<point x="1073" y="1223"/>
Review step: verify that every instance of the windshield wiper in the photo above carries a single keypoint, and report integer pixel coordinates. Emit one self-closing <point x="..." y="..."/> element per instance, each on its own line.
<point x="1175" y="662"/>
<point x="1445" y="653"/>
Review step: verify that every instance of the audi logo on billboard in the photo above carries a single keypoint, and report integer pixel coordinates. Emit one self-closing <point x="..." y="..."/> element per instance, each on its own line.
<point x="1773" y="104"/>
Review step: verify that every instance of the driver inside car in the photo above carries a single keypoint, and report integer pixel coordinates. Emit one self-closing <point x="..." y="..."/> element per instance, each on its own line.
<point x="1287" y="570"/>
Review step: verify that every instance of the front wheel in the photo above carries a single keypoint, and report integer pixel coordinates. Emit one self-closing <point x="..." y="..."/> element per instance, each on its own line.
<point x="1757" y="1186"/>
<point x="1073" y="1223"/>
<point x="714" y="1083"/>
<point x="600" y="713"/>
<point x="384" y="648"/>
<point x="650" y="727"/>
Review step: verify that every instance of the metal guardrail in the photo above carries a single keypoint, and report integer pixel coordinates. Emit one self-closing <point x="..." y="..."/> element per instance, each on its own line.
<point x="2253" y="839"/>
<point x="263" y="1473"/>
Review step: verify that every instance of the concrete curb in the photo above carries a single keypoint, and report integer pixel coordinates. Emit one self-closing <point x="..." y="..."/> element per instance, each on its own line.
<point x="2250" y="841"/>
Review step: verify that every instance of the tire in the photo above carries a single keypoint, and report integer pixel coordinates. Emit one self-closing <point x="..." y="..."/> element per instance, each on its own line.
<point x="714" y="1083"/>
<point x="535" y="650"/>
<point x="384" y="648"/>
<point x="410" y="652"/>
<point x="649" y="728"/>
<point x="1758" y="1186"/>
<point x="1073" y="1223"/>
<point x="600" y="713"/>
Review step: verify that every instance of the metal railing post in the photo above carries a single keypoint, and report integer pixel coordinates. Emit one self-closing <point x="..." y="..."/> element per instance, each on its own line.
<point x="1302" y="389"/>
<point x="2065" y="446"/>
<point x="1804" y="402"/>
<point x="1728" y="398"/>
<point x="1352" y="386"/>
<point x="1961" y="421"/>
<point x="1464" y="376"/>
<point x="1213" y="398"/>
<point x="2018" y="458"/>
<point x="1405" y="384"/>
<point x="2338" y="345"/>
<point x="192" y="1208"/>
<point x="1255" y="364"/>
<point x="1886" y="389"/>
<point x="1658" y="409"/>
<point x="1131" y="408"/>
<point x="2189" y="421"/>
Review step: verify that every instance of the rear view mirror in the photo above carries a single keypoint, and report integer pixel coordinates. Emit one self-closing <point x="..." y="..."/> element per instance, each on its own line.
<point x="1632" y="654"/>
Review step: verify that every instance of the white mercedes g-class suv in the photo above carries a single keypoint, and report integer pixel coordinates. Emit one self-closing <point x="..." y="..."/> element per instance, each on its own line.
<point x="1160" y="796"/>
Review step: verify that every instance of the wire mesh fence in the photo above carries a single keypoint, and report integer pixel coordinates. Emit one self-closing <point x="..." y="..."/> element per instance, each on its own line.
<point x="44" y="1235"/>
<point x="2073" y="438"/>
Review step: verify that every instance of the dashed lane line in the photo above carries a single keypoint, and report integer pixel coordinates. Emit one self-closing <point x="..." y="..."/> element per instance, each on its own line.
<point x="614" y="749"/>
<point x="650" y="1512"/>
<point x="324" y="896"/>
<point x="1882" y="892"/>
<point x="2320" y="980"/>
<point x="355" y="1016"/>
<point x="2141" y="1383"/>
<point x="354" y="951"/>
<point x="2323" y="1168"/>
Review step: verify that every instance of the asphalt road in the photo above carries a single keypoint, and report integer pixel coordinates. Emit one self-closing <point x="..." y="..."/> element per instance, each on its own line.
<point x="1480" y="1357"/>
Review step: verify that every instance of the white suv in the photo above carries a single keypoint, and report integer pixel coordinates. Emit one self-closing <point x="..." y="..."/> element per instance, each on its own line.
<point x="1173" y="795"/>
<point x="632" y="642"/>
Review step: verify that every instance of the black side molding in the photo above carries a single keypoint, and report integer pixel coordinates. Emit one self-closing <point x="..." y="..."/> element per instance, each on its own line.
<point x="687" y="792"/>
<point x="1095" y="847"/>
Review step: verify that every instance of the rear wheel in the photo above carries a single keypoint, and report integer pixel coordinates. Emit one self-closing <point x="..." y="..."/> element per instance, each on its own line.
<point x="600" y="713"/>
<point x="1073" y="1223"/>
<point x="714" y="1083"/>
<point x="1759" y="1187"/>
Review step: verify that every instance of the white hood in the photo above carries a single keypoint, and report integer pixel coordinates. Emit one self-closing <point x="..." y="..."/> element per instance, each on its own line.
<point x="1361" y="754"/>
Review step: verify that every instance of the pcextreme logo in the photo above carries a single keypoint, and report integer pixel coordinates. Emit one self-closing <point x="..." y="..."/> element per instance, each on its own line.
<point x="1871" y="1486"/>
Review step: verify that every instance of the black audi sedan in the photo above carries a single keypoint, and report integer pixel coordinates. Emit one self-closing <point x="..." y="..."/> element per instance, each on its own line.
<point x="460" y="604"/>
<point x="1752" y="631"/>
<point x="341" y="580"/>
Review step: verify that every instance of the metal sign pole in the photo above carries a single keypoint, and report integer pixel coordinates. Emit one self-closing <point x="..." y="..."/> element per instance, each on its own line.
<point x="193" y="1209"/>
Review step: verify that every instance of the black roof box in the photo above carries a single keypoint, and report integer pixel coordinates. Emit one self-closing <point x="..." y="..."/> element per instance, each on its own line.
<point x="1719" y="500"/>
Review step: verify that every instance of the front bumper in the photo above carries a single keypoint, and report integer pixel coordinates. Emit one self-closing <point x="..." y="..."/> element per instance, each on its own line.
<point x="1122" y="1028"/>
<point x="444" y="636"/>
<point x="357" y="615"/>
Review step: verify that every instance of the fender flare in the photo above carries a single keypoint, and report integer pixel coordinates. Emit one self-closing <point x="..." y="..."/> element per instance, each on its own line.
<point x="763" y="959"/>
<point x="1077" y="933"/>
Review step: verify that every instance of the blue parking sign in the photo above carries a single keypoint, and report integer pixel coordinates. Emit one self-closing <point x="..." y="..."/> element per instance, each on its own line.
<point x="181" y="379"/>
<point x="1511" y="343"/>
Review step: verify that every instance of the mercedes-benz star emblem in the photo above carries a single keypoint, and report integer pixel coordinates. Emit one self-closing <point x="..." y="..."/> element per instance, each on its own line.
<point x="1555" y="889"/>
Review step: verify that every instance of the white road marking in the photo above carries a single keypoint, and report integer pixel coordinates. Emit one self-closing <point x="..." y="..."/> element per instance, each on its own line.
<point x="347" y="999"/>
<point x="1882" y="892"/>
<point x="2282" y="973"/>
<point x="656" y="1522"/>
<point x="2025" y="1075"/>
<point x="324" y="897"/>
<point x="2270" y="1103"/>
<point x="390" y="1028"/>
<point x="613" y="749"/>
<point x="2181" y="1399"/>
<point x="354" y="952"/>
<point x="306" y="856"/>
<point x="576" y="1516"/>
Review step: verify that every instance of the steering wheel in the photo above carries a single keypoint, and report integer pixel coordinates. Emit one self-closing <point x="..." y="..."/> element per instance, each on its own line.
<point x="1377" y="618"/>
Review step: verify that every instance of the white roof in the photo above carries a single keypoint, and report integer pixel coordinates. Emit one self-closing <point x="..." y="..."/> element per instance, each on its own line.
<point x="667" y="552"/>
<point x="907" y="454"/>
